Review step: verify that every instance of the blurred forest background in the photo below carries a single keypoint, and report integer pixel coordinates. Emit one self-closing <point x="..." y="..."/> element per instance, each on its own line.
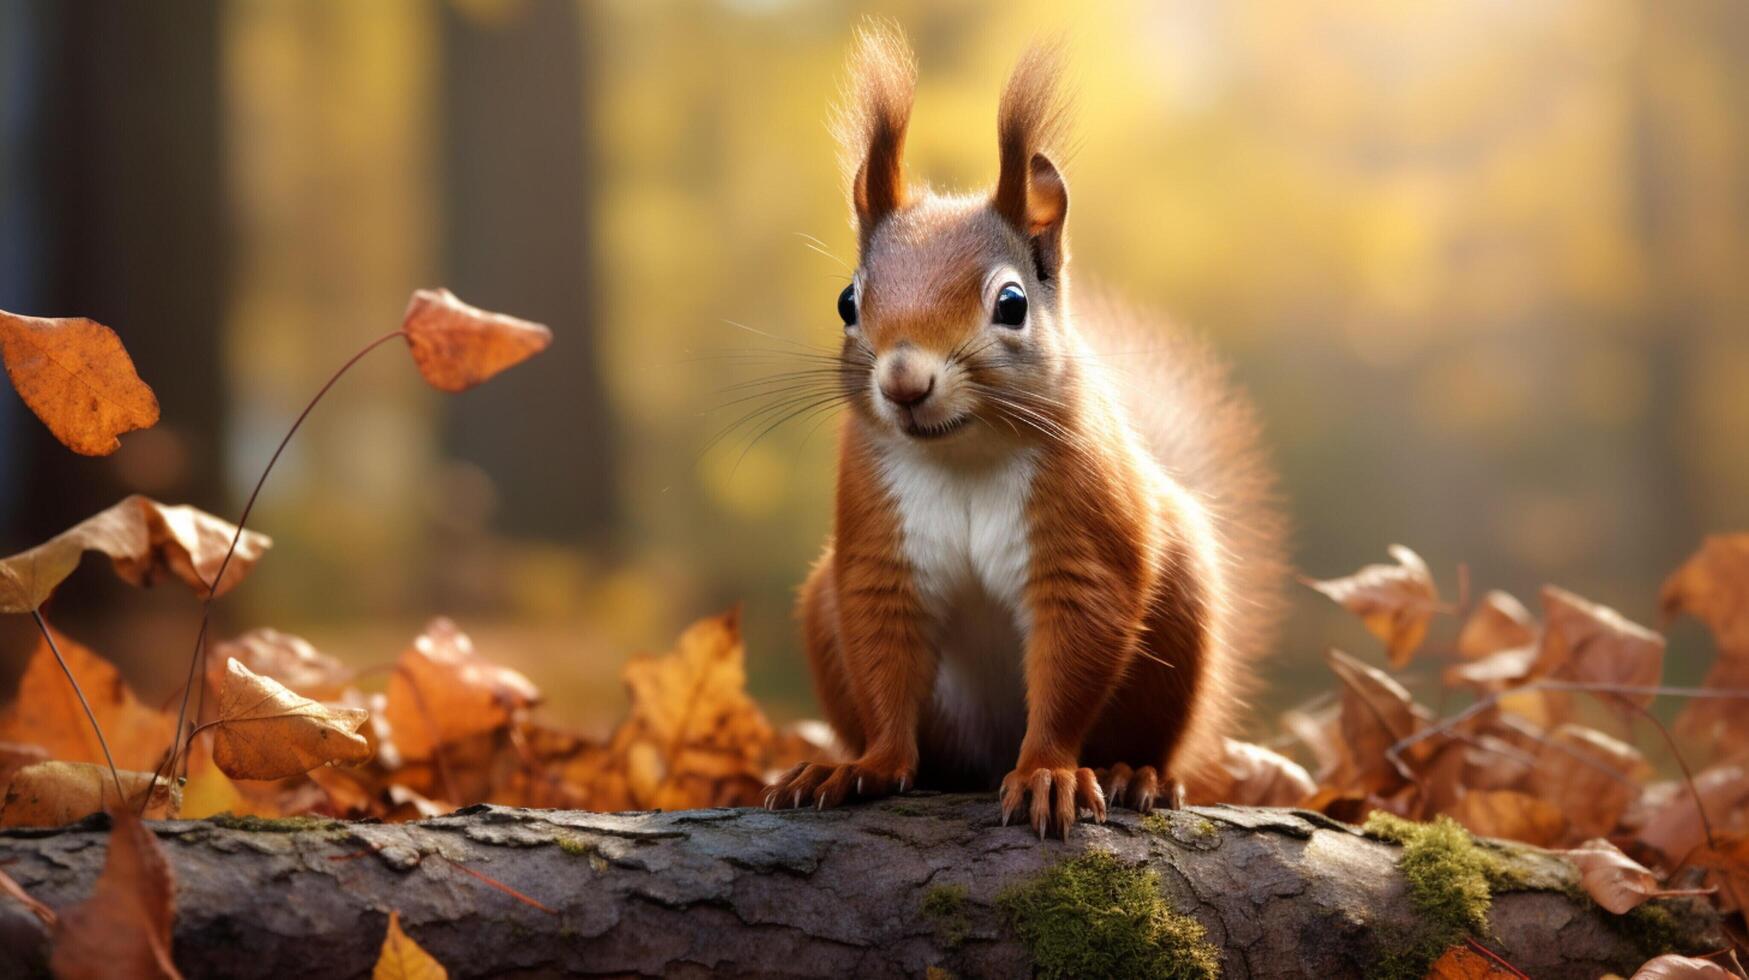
<point x="1485" y="267"/>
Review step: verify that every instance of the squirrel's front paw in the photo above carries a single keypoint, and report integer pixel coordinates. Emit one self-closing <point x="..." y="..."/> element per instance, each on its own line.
<point x="1057" y="795"/>
<point x="829" y="785"/>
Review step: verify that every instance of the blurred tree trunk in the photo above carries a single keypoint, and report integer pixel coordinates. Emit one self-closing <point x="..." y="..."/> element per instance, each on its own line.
<point x="125" y="167"/>
<point x="516" y="193"/>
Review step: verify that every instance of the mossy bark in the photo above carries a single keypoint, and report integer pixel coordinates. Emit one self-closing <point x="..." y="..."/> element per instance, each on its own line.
<point x="886" y="889"/>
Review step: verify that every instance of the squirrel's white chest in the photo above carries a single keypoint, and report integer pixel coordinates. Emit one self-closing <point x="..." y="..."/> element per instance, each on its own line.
<point x="965" y="529"/>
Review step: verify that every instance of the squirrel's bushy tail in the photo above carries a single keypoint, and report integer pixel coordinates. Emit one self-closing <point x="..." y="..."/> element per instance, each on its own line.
<point x="1206" y="434"/>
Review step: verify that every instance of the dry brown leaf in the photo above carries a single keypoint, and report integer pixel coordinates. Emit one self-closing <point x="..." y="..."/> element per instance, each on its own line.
<point x="457" y="346"/>
<point x="1395" y="602"/>
<point x="1319" y="728"/>
<point x="265" y="731"/>
<point x="51" y="794"/>
<point x="1377" y="712"/>
<point x="15" y="756"/>
<point x="1512" y="815"/>
<point x="1612" y="879"/>
<point x="1673" y="967"/>
<point x="124" y="928"/>
<point x="1590" y="777"/>
<point x="209" y="791"/>
<point x="1674" y="829"/>
<point x="407" y="805"/>
<point x="288" y="659"/>
<point x="442" y="691"/>
<point x="1494" y="672"/>
<point x="1593" y="644"/>
<point x="693" y="738"/>
<point x="1713" y="586"/>
<point x="145" y="541"/>
<point x="1727" y="861"/>
<point x="1463" y="963"/>
<point x="404" y="959"/>
<point x="1247" y="774"/>
<point x="1500" y="622"/>
<point x="78" y="378"/>
<point x="46" y="712"/>
<point x="1721" y="725"/>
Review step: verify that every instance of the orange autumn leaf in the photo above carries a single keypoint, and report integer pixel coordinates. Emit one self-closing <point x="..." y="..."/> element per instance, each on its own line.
<point x="1247" y="774"/>
<point x="1500" y="622"/>
<point x="46" y="711"/>
<point x="145" y="541"/>
<point x="78" y="379"/>
<point x="1395" y="602"/>
<point x="457" y="346"/>
<point x="403" y="959"/>
<point x="442" y="690"/>
<point x="51" y="794"/>
<point x="1463" y="963"/>
<point x="124" y="928"/>
<point x="1713" y="585"/>
<point x="1670" y="966"/>
<point x="1612" y="879"/>
<point x="1377" y="712"/>
<point x="1674" y="827"/>
<point x="1511" y="815"/>
<point x="1589" y="776"/>
<point x="264" y="731"/>
<point x="1590" y="643"/>
<point x="288" y="659"/>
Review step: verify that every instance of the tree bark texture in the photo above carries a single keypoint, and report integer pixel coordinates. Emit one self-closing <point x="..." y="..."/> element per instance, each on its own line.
<point x="732" y="892"/>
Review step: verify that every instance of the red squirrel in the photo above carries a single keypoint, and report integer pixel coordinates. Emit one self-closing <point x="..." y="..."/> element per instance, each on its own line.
<point x="1054" y="549"/>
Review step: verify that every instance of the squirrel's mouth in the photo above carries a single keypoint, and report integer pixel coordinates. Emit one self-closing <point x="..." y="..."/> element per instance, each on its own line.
<point x="937" y="430"/>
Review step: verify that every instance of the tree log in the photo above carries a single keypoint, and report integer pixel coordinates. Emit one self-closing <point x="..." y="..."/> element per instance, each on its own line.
<point x="846" y="892"/>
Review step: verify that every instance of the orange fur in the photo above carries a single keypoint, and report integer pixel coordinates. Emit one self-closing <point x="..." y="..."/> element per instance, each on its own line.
<point x="1151" y="549"/>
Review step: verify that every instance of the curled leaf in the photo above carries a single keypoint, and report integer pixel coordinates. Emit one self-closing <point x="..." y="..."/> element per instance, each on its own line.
<point x="457" y="346"/>
<point x="1395" y="602"/>
<point x="78" y="378"/>
<point x="264" y="731"/>
<point x="1713" y="585"/>
<point x="403" y="959"/>
<point x="1590" y="777"/>
<point x="1377" y="712"/>
<point x="47" y="713"/>
<point x="1612" y="879"/>
<point x="124" y="928"/>
<point x="1500" y="622"/>
<point x="1670" y="966"/>
<point x="1247" y="774"/>
<point x="1674" y="826"/>
<point x="1512" y="815"/>
<point x="145" y="541"/>
<point x="1586" y="642"/>
<point x="442" y="691"/>
<point x="288" y="659"/>
<point x="52" y="794"/>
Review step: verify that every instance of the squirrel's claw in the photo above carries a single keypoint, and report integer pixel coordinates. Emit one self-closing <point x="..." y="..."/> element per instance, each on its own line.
<point x="1140" y="789"/>
<point x="827" y="785"/>
<point x="1057" y="796"/>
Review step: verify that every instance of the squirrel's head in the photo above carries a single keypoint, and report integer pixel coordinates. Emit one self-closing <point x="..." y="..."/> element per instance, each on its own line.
<point x="955" y="316"/>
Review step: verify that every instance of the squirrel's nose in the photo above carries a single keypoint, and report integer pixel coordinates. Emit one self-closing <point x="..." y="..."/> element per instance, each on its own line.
<point x="907" y="388"/>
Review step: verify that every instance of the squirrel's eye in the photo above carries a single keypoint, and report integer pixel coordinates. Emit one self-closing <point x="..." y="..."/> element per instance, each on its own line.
<point x="847" y="305"/>
<point x="1010" y="306"/>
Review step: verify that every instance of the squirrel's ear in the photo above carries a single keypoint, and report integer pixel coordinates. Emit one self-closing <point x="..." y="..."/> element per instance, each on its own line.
<point x="1030" y="193"/>
<point x="871" y="122"/>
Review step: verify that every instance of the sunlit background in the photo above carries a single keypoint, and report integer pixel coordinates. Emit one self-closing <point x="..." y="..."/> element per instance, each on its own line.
<point x="1484" y="266"/>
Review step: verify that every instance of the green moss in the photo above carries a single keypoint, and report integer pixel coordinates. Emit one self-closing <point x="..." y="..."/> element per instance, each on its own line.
<point x="1658" y="927"/>
<point x="904" y="809"/>
<point x="945" y="906"/>
<point x="1157" y="823"/>
<point x="272" y="825"/>
<point x="1451" y="883"/>
<point x="575" y="847"/>
<point x="1094" y="916"/>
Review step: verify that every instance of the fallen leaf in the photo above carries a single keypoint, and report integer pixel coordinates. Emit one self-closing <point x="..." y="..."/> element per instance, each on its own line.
<point x="442" y="691"/>
<point x="457" y="346"/>
<point x="1727" y="861"/>
<point x="52" y="794"/>
<point x="265" y="731"/>
<point x="145" y="541"/>
<point x="46" y="711"/>
<point x="1592" y="644"/>
<point x="1463" y="963"/>
<point x="1319" y="728"/>
<point x="1377" y="712"/>
<point x="208" y="791"/>
<point x="1719" y="724"/>
<point x="1713" y="586"/>
<point x="693" y="737"/>
<point x="1674" y="829"/>
<point x="288" y="659"/>
<point x="78" y="378"/>
<point x="1673" y="967"/>
<point x="1590" y="777"/>
<point x="404" y="959"/>
<point x="1612" y="879"/>
<point x="1500" y="622"/>
<point x="1395" y="602"/>
<point x="1496" y="671"/>
<point x="1247" y="774"/>
<point x="124" y="928"/>
<point x="1511" y="815"/>
<point x="407" y="805"/>
<point x="15" y="756"/>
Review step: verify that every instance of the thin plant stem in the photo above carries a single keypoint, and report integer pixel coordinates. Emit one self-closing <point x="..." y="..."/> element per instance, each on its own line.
<point x="196" y="660"/>
<point x="43" y="624"/>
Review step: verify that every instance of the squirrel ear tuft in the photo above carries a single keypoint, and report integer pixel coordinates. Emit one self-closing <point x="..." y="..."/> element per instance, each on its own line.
<point x="873" y="113"/>
<point x="1030" y="193"/>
